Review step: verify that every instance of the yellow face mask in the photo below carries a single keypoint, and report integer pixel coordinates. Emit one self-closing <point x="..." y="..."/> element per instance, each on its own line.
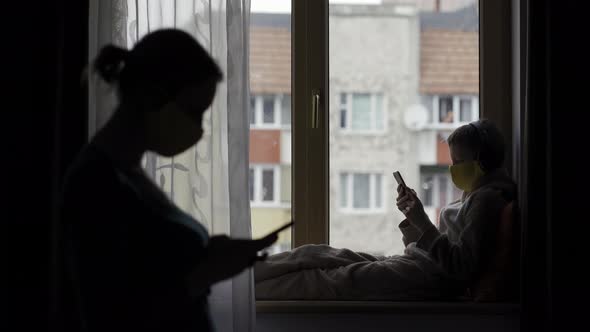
<point x="466" y="174"/>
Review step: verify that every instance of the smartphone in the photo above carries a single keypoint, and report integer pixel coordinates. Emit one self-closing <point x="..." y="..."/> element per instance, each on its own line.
<point x="399" y="179"/>
<point x="282" y="228"/>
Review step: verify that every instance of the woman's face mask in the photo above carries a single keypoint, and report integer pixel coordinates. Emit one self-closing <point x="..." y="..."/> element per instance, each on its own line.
<point x="466" y="174"/>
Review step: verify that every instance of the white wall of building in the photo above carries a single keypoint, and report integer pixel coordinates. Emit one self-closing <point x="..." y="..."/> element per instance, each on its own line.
<point x="373" y="49"/>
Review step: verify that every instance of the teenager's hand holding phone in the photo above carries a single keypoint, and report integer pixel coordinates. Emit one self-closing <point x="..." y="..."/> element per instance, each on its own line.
<point x="409" y="203"/>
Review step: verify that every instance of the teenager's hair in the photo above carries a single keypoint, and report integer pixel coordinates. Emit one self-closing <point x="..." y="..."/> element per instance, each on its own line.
<point x="162" y="63"/>
<point x="484" y="139"/>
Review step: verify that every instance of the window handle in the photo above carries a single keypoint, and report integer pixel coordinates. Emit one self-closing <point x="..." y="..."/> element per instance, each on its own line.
<point x="315" y="108"/>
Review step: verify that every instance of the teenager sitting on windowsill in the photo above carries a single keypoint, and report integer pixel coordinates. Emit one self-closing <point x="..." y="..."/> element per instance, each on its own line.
<point x="438" y="263"/>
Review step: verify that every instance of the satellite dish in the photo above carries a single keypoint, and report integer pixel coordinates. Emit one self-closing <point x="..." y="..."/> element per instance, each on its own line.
<point x="415" y="117"/>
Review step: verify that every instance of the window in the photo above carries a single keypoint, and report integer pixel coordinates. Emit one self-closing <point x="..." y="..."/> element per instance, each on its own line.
<point x="361" y="192"/>
<point x="361" y="112"/>
<point x="270" y="111"/>
<point x="270" y="122"/>
<point x="445" y="109"/>
<point x="466" y="110"/>
<point x="452" y="110"/>
<point x="371" y="64"/>
<point x="264" y="184"/>
<point x="385" y="61"/>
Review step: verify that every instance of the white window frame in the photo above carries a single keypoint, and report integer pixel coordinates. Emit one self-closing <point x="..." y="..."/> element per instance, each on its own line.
<point x="348" y="106"/>
<point x="435" y="116"/>
<point x="257" y="199"/>
<point x="259" y="112"/>
<point x="372" y="209"/>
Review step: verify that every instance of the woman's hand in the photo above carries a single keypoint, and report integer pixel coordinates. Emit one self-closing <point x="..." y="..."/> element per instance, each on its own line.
<point x="232" y="256"/>
<point x="226" y="257"/>
<point x="411" y="206"/>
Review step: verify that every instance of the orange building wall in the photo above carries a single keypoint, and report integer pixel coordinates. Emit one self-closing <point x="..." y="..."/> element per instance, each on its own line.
<point x="265" y="146"/>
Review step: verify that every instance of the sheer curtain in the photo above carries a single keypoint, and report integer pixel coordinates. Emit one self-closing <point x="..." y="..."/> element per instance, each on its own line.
<point x="209" y="181"/>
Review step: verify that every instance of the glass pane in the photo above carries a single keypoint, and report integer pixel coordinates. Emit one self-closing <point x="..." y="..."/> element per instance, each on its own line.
<point x="465" y="110"/>
<point x="252" y="113"/>
<point x="343" y="190"/>
<point x="268" y="110"/>
<point x="268" y="184"/>
<point x="379" y="121"/>
<point x="360" y="191"/>
<point x="286" y="110"/>
<point x="270" y="76"/>
<point x="445" y="109"/>
<point x="361" y="111"/>
<point x="343" y="118"/>
<point x="408" y="54"/>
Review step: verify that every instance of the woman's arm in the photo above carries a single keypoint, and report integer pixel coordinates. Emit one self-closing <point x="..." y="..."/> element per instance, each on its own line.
<point x="224" y="258"/>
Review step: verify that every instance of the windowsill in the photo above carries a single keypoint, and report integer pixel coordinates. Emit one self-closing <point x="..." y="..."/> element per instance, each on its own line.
<point x="394" y="307"/>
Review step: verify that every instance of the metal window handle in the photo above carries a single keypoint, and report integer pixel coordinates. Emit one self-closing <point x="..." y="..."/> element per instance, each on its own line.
<point x="315" y="108"/>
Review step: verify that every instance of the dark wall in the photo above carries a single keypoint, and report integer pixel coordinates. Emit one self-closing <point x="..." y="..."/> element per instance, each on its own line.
<point x="555" y="285"/>
<point x="44" y="125"/>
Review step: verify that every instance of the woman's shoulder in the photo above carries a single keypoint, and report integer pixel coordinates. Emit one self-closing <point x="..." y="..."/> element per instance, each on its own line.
<point x="92" y="174"/>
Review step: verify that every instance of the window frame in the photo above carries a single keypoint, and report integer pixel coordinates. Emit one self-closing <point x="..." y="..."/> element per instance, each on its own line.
<point x="310" y="68"/>
<point x="310" y="154"/>
<point x="372" y="209"/>
<point x="348" y="130"/>
<point x="257" y="201"/>
<point x="456" y="100"/>
<point x="259" y="123"/>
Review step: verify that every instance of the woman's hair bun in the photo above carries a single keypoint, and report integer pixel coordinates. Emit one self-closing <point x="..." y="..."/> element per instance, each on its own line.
<point x="109" y="62"/>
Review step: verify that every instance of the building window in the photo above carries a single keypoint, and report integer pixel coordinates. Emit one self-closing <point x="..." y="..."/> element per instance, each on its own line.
<point x="445" y="109"/>
<point x="453" y="109"/>
<point x="437" y="189"/>
<point x="361" y="192"/>
<point x="362" y="112"/>
<point x="465" y="110"/>
<point x="264" y="184"/>
<point x="270" y="111"/>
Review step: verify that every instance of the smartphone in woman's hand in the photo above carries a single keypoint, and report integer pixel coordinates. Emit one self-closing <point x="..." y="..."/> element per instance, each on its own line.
<point x="282" y="228"/>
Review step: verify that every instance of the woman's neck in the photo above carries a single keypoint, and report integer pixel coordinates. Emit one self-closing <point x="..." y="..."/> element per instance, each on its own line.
<point x="122" y="139"/>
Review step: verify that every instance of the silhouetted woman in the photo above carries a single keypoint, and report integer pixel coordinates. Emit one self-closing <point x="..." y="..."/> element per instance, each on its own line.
<point x="137" y="262"/>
